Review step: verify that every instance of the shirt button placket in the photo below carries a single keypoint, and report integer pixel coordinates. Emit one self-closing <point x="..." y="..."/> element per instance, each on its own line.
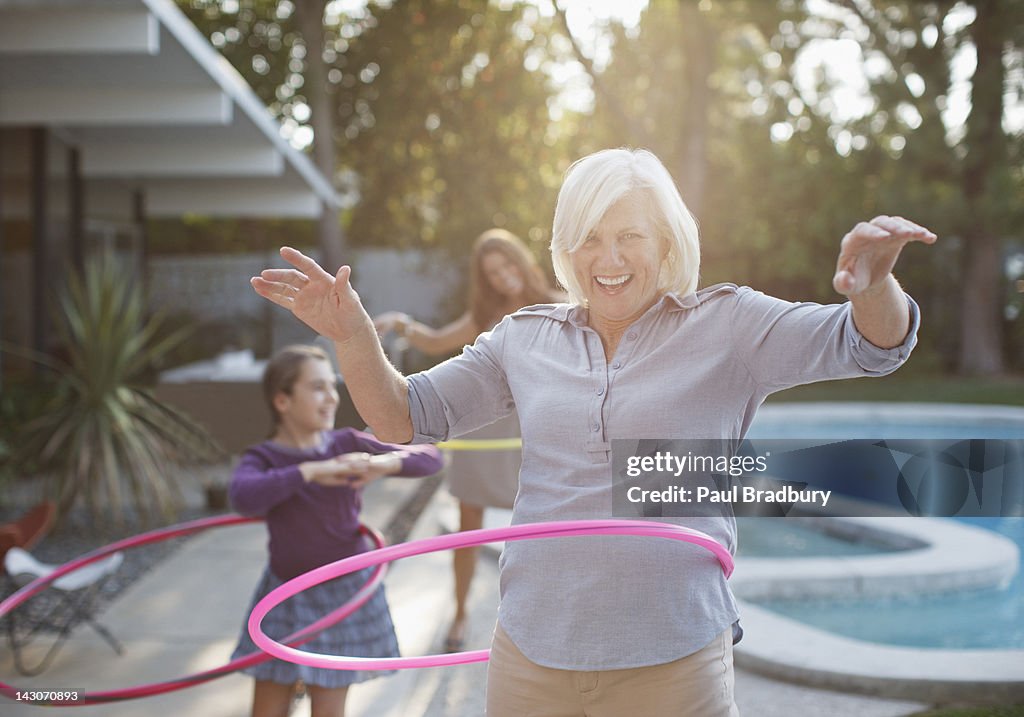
<point x="602" y="390"/>
<point x="599" y="370"/>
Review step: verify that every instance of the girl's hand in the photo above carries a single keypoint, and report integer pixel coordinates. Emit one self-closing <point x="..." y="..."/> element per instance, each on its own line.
<point x="366" y="470"/>
<point x="327" y="304"/>
<point x="869" y="251"/>
<point x="353" y="470"/>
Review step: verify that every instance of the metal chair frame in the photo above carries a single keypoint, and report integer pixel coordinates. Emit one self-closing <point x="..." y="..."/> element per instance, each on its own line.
<point x="75" y="593"/>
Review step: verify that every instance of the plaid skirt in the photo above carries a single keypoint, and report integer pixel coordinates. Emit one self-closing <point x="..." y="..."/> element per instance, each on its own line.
<point x="368" y="632"/>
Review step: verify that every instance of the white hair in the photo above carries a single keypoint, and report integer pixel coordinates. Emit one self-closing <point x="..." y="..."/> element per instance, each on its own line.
<point x="593" y="184"/>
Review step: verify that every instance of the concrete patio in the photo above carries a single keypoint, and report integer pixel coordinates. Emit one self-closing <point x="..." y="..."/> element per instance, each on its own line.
<point x="183" y="616"/>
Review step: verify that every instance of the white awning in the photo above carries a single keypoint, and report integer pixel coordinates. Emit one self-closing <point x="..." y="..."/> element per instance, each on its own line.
<point x="150" y="105"/>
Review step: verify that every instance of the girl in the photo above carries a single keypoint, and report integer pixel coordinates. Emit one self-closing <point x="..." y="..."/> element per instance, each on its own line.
<point x="504" y="278"/>
<point x="306" y="480"/>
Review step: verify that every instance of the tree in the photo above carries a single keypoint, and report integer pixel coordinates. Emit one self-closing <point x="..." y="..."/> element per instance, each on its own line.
<point x="310" y="15"/>
<point x="981" y="347"/>
<point x="917" y="45"/>
<point x="663" y="88"/>
<point x="440" y="109"/>
<point x="778" y="163"/>
<point x="448" y="130"/>
<point x="703" y="85"/>
<point x="281" y="48"/>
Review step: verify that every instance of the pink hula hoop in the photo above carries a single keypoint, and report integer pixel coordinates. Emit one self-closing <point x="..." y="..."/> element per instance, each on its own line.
<point x="156" y="688"/>
<point x="527" y="531"/>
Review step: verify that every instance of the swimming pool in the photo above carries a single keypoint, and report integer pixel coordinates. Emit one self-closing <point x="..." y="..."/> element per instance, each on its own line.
<point x="989" y="618"/>
<point x="795" y="538"/>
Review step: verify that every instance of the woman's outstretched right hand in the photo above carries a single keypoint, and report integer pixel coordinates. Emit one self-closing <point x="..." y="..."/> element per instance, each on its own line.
<point x="327" y="304"/>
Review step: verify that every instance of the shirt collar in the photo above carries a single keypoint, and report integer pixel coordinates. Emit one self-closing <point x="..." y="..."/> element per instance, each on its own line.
<point x="578" y="316"/>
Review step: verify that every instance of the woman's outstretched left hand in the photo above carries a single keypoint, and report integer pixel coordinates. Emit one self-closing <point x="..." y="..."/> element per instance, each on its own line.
<point x="869" y="252"/>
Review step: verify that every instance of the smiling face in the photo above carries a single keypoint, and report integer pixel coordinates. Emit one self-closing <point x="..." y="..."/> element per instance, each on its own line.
<point x="310" y="405"/>
<point x="503" y="276"/>
<point x="619" y="263"/>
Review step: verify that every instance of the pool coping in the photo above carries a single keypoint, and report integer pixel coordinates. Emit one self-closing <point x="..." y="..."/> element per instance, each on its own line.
<point x="954" y="556"/>
<point x="951" y="556"/>
<point x="785" y="649"/>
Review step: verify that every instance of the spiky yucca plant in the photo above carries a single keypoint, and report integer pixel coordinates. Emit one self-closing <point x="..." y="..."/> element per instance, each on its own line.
<point x="104" y="436"/>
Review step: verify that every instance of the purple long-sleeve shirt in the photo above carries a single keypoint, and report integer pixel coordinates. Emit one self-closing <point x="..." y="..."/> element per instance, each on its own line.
<point x="310" y="524"/>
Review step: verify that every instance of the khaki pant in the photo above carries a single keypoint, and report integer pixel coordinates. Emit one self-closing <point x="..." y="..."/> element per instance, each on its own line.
<point x="698" y="685"/>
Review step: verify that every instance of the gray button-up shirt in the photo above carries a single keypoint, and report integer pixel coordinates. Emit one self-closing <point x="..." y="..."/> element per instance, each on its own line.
<point x="694" y="366"/>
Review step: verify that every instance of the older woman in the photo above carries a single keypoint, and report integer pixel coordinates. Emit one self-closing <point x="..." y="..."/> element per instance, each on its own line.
<point x="605" y="625"/>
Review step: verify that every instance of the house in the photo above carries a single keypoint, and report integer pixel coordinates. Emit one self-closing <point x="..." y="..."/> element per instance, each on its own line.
<point x="112" y="112"/>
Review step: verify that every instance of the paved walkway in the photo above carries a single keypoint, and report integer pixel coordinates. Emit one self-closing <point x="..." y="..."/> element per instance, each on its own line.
<point x="183" y="616"/>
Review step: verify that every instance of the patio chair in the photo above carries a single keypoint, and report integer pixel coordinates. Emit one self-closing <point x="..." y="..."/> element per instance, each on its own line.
<point x="29" y="529"/>
<point x="70" y="600"/>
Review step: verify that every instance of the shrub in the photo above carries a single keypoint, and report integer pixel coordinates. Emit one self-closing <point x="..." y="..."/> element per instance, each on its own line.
<point x="103" y="436"/>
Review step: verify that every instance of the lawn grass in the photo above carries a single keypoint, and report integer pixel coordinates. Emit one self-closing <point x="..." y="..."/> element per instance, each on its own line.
<point x="1002" y="711"/>
<point x="1008" y="390"/>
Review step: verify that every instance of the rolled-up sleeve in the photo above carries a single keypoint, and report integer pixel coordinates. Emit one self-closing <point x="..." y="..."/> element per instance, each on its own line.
<point x="786" y="344"/>
<point x="874" y="359"/>
<point x="463" y="393"/>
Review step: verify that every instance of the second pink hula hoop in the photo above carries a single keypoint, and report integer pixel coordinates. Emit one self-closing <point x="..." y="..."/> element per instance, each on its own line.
<point x="156" y="688"/>
<point x="527" y="531"/>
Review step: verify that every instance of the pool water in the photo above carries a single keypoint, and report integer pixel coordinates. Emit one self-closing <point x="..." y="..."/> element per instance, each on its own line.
<point x="972" y="619"/>
<point x="792" y="538"/>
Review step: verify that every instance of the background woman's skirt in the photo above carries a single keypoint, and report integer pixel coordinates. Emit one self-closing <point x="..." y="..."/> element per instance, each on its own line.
<point x="487" y="478"/>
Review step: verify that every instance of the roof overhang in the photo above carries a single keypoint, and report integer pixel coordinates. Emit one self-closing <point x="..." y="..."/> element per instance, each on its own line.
<point x="149" y="103"/>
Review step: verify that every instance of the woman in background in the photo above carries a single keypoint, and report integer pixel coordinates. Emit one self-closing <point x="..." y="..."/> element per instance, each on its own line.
<point x="504" y="277"/>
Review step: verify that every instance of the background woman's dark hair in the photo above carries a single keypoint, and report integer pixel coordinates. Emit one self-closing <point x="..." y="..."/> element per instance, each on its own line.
<point x="283" y="371"/>
<point x="486" y="305"/>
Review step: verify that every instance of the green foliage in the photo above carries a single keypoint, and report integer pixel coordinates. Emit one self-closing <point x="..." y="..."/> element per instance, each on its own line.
<point x="102" y="435"/>
<point x="959" y="179"/>
<point x="22" y="399"/>
<point x="442" y="131"/>
<point x="786" y="173"/>
<point x="452" y="135"/>
<point x="771" y="212"/>
<point x="198" y="235"/>
<point x="447" y="123"/>
<point x="260" y="39"/>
